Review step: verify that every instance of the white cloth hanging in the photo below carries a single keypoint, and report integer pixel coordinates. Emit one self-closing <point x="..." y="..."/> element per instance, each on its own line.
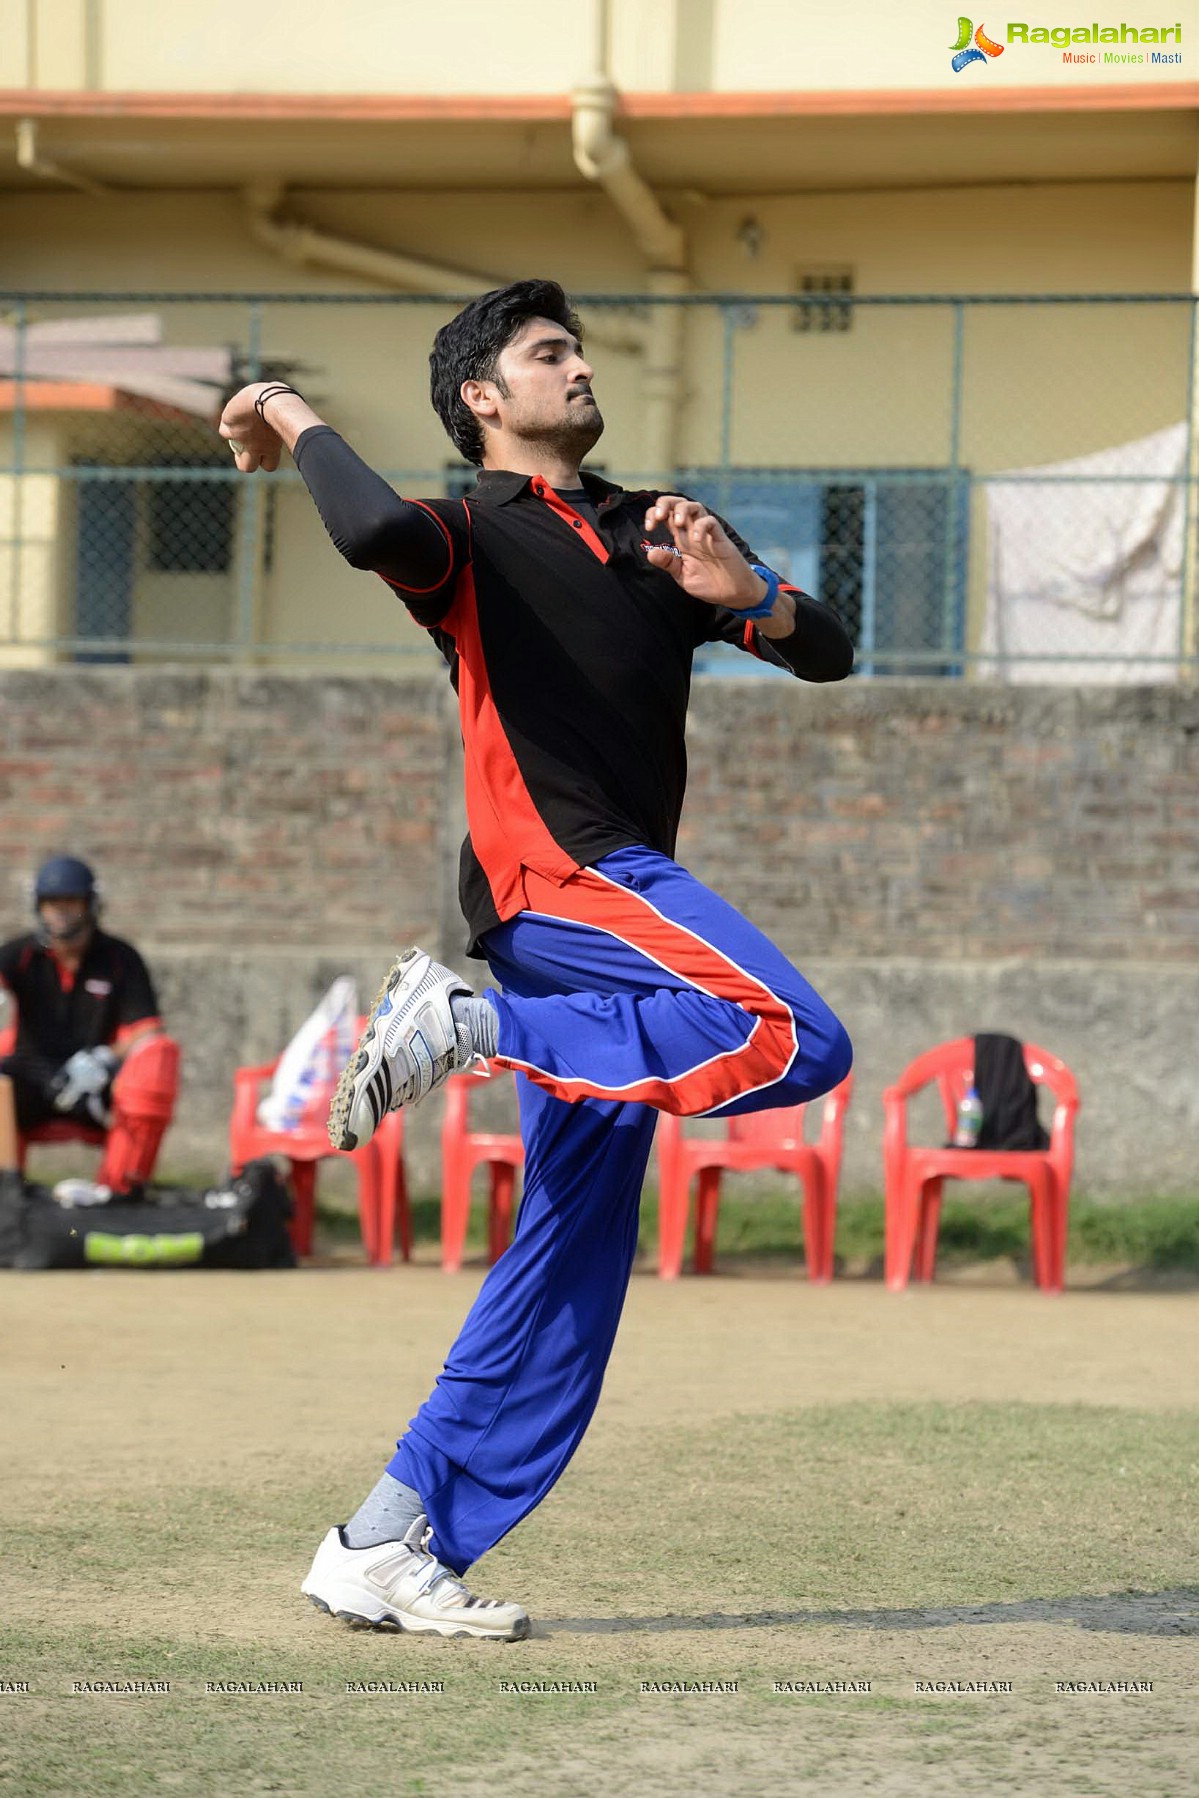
<point x="1084" y="561"/>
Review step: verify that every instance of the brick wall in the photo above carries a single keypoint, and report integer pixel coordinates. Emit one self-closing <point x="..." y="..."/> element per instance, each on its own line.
<point x="939" y="859"/>
<point x="960" y="822"/>
<point x="229" y="810"/>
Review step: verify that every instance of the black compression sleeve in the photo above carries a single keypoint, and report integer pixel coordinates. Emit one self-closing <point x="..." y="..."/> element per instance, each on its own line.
<point x="818" y="649"/>
<point x="368" y="521"/>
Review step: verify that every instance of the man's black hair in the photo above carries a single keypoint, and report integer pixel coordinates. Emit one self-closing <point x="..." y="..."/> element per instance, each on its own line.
<point x="468" y="348"/>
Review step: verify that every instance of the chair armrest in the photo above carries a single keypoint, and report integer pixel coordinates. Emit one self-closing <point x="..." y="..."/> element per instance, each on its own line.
<point x="895" y="1119"/>
<point x="832" y="1116"/>
<point x="668" y="1137"/>
<point x="895" y="1134"/>
<point x="668" y="1131"/>
<point x="247" y="1090"/>
<point x="454" y="1117"/>
<point x="1061" y="1139"/>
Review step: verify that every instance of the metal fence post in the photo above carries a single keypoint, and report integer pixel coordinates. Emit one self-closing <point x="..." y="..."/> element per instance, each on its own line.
<point x="728" y="325"/>
<point x="249" y="537"/>
<point x="1188" y="637"/>
<point x="953" y="630"/>
<point x="869" y="630"/>
<point x="20" y="326"/>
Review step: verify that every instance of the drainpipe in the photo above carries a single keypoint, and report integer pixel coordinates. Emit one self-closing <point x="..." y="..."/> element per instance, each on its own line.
<point x="33" y="163"/>
<point x="603" y="156"/>
<point x="307" y="247"/>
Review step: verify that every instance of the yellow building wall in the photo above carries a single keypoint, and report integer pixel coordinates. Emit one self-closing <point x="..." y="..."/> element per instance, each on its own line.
<point x="30" y="542"/>
<point x="1038" y="383"/>
<point x="525" y="47"/>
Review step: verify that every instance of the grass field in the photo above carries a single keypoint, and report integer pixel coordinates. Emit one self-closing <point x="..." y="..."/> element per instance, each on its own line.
<point x="1145" y="1236"/>
<point x="971" y="1483"/>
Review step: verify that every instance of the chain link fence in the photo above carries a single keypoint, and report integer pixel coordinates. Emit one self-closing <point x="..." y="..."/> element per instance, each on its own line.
<point x="983" y="487"/>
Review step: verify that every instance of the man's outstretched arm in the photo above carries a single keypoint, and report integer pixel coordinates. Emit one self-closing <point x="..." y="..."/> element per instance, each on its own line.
<point x="369" y="523"/>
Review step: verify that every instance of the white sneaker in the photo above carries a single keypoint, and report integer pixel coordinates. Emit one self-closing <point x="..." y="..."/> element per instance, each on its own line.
<point x="410" y="1045"/>
<point x="70" y="1193"/>
<point x="401" y="1586"/>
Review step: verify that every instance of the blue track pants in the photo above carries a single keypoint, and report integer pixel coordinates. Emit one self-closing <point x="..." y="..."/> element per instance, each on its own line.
<point x="631" y="989"/>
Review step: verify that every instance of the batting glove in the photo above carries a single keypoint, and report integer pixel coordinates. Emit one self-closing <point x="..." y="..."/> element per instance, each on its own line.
<point x="84" y="1076"/>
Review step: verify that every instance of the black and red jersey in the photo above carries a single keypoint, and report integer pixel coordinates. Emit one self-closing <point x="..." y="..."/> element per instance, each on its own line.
<point x="59" y="1011"/>
<point x="570" y="653"/>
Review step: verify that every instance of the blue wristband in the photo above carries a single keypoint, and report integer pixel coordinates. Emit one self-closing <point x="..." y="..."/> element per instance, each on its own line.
<point x="773" y="583"/>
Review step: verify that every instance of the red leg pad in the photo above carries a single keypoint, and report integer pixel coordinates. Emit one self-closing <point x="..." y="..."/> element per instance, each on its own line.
<point x="143" y="1100"/>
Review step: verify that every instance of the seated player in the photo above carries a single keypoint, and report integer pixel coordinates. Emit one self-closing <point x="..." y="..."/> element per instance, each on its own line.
<point x="87" y="1043"/>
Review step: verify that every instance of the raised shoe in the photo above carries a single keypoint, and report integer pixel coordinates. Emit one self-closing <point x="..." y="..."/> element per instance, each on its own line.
<point x="411" y="1043"/>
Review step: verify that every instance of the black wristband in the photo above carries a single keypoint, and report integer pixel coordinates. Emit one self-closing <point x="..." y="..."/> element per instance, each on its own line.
<point x="272" y="393"/>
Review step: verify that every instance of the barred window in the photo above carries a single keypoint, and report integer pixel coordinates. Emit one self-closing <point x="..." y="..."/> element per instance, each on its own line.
<point x="885" y="547"/>
<point x="824" y="311"/>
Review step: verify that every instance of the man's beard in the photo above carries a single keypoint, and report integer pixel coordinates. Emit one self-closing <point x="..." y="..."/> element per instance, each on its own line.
<point x="571" y="436"/>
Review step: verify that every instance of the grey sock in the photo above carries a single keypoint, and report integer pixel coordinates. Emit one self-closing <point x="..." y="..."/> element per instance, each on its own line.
<point x="385" y="1515"/>
<point x="481" y="1019"/>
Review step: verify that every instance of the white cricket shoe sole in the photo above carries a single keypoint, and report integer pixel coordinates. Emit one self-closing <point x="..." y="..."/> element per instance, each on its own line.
<point x="399" y="1585"/>
<point x="411" y="1043"/>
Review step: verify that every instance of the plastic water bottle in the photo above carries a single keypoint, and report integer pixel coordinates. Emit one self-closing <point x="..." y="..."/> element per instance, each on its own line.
<point x="970" y="1120"/>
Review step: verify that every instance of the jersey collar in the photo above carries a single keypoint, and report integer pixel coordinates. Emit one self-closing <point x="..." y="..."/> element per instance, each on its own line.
<point x="496" y="486"/>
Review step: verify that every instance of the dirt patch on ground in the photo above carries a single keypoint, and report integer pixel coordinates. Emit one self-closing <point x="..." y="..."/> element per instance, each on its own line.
<point x="935" y="1495"/>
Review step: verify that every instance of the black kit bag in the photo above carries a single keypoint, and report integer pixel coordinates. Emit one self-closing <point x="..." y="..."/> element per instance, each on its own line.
<point x="241" y="1224"/>
<point x="1008" y="1096"/>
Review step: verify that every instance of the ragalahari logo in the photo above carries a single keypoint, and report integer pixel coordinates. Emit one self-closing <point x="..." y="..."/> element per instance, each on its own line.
<point x="968" y="52"/>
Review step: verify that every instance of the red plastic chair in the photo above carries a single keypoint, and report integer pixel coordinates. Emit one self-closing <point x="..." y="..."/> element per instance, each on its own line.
<point x="67" y="1129"/>
<point x="759" y="1139"/>
<point x="382" y="1184"/>
<point x="54" y="1129"/>
<point x="462" y="1151"/>
<point x="58" y="1130"/>
<point x="914" y="1176"/>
